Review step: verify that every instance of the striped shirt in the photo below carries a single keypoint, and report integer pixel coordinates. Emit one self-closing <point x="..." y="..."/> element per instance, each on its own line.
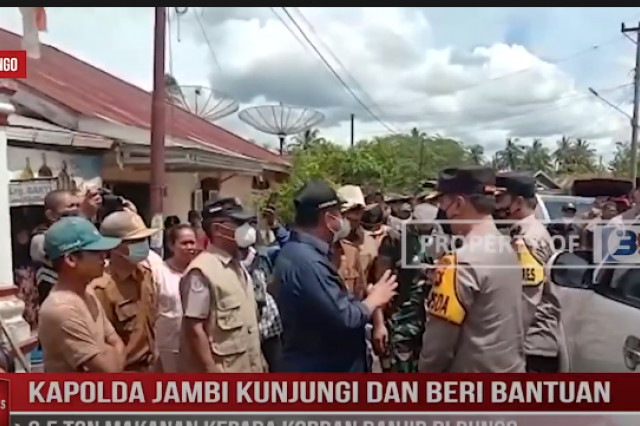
<point x="46" y="277"/>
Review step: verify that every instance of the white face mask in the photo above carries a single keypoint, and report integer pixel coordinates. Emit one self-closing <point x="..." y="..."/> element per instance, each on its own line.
<point x="343" y="232"/>
<point x="245" y="235"/>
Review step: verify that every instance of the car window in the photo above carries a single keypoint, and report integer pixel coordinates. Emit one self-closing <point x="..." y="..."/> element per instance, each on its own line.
<point x="539" y="212"/>
<point x="555" y="206"/>
<point x="621" y="284"/>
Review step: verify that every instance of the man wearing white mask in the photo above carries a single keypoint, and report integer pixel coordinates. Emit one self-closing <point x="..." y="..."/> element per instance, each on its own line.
<point x="257" y="262"/>
<point x="220" y="332"/>
<point x="324" y="325"/>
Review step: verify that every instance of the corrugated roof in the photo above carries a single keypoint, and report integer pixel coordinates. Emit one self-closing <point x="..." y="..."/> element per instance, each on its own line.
<point x="93" y="92"/>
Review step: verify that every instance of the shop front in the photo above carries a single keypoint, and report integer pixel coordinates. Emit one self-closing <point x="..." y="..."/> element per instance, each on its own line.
<point x="35" y="173"/>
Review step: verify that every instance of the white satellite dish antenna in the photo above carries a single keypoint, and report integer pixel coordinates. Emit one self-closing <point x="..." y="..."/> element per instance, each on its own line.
<point x="202" y="101"/>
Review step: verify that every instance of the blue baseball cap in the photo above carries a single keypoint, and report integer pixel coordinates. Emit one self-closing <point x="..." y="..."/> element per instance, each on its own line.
<point x="74" y="234"/>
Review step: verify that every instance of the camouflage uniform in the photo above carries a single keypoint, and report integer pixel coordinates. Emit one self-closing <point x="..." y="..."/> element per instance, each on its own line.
<point x="405" y="318"/>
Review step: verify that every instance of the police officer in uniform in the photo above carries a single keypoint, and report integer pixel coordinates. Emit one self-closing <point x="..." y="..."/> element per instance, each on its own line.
<point x="220" y="320"/>
<point x="534" y="246"/>
<point x="475" y="305"/>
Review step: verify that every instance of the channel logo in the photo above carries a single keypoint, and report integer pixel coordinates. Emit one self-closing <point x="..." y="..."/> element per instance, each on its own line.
<point x="618" y="245"/>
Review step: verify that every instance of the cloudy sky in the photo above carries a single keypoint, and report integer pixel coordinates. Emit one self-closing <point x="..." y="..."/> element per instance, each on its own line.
<point x="479" y="74"/>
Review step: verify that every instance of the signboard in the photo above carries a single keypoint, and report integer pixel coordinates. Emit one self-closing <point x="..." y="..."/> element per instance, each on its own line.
<point x="30" y="192"/>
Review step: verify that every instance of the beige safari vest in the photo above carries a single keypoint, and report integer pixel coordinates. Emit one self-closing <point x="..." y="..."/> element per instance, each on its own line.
<point x="233" y="323"/>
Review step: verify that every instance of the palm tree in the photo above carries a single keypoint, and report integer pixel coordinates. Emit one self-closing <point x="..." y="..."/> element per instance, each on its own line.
<point x="306" y="139"/>
<point x="537" y="157"/>
<point x="495" y="162"/>
<point x="476" y="154"/>
<point x="562" y="154"/>
<point x="583" y="156"/>
<point x="511" y="156"/>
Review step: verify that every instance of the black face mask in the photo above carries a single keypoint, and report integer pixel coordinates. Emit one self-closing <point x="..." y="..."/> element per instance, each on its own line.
<point x="440" y="218"/>
<point x="501" y="214"/>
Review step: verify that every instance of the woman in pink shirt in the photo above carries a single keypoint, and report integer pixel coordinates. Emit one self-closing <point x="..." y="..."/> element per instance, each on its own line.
<point x="182" y="242"/>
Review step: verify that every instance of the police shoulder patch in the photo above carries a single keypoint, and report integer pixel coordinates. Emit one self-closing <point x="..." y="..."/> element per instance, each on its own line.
<point x="532" y="268"/>
<point x="443" y="300"/>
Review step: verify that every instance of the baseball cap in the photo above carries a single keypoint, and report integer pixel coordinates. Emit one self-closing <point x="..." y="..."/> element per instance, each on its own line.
<point x="126" y="225"/>
<point x="74" y="234"/>
<point x="316" y="195"/>
<point x="352" y="197"/>
<point x="229" y="207"/>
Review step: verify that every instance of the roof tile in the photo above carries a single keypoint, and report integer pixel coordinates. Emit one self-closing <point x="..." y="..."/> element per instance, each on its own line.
<point x="91" y="91"/>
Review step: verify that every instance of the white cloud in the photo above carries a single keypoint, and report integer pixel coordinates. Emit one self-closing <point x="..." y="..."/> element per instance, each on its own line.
<point x="416" y="67"/>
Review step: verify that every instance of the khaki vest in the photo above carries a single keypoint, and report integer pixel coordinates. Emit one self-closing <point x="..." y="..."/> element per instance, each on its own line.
<point x="233" y="322"/>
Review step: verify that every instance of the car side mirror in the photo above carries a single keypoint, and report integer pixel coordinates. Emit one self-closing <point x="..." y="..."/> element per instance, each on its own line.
<point x="571" y="269"/>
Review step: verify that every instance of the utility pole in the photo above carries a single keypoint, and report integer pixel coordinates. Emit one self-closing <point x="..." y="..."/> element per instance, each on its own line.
<point x="353" y="129"/>
<point x="636" y="103"/>
<point x="158" y="180"/>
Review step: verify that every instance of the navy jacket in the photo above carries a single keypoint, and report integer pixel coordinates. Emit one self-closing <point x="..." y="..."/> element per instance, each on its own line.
<point x="282" y="235"/>
<point x="324" y="327"/>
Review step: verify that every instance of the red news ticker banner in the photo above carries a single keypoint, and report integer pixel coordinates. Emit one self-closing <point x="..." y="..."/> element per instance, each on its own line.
<point x="319" y="392"/>
<point x="13" y="64"/>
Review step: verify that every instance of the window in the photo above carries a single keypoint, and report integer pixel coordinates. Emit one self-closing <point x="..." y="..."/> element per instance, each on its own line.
<point x="210" y="189"/>
<point x="622" y="284"/>
<point x="259" y="184"/>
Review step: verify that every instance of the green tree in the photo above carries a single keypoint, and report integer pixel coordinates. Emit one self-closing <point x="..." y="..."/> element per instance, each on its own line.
<point x="537" y="157"/>
<point x="574" y="156"/>
<point x="620" y="165"/>
<point x="562" y="154"/>
<point x="305" y="139"/>
<point x="511" y="156"/>
<point x="476" y="154"/>
<point x="395" y="163"/>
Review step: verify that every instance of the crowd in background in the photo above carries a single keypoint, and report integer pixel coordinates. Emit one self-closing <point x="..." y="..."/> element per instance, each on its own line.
<point x="349" y="286"/>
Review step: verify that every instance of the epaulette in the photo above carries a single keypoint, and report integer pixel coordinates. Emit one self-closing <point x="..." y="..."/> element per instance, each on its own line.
<point x="515" y="231"/>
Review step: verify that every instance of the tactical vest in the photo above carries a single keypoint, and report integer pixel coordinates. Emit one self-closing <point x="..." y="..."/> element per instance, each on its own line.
<point x="233" y="324"/>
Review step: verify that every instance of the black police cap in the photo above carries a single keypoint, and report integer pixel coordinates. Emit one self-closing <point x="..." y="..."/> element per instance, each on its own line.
<point x="469" y="180"/>
<point x="520" y="184"/>
<point x="226" y="208"/>
<point x="316" y="195"/>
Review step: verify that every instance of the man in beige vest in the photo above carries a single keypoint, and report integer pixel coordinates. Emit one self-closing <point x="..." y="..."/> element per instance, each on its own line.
<point x="220" y="323"/>
<point x="474" y="320"/>
<point x="534" y="246"/>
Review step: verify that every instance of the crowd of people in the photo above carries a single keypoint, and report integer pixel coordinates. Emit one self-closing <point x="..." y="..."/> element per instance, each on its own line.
<point x="349" y="286"/>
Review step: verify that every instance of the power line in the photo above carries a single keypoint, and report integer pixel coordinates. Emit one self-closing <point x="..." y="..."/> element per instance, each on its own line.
<point x="301" y="42"/>
<point x="333" y="71"/>
<point x="557" y="104"/>
<point x="328" y="49"/>
<point x="206" y="38"/>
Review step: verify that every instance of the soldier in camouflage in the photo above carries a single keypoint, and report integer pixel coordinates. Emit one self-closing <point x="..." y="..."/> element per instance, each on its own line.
<point x="405" y="317"/>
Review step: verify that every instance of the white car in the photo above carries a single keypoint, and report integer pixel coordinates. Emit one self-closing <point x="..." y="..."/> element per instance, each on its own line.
<point x="600" y="314"/>
<point x="550" y="206"/>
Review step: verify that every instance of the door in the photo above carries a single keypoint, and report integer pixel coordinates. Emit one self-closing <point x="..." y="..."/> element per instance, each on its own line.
<point x="608" y="338"/>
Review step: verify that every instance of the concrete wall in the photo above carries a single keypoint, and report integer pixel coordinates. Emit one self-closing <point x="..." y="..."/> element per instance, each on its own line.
<point x="180" y="186"/>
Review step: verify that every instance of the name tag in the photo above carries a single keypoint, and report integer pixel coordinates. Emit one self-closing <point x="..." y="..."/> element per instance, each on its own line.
<point x="442" y="301"/>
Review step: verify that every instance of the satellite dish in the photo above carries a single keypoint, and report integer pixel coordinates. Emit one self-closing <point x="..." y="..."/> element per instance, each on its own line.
<point x="202" y="101"/>
<point x="281" y="120"/>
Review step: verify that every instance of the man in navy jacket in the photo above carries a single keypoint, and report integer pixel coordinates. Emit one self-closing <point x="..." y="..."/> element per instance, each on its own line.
<point x="324" y="327"/>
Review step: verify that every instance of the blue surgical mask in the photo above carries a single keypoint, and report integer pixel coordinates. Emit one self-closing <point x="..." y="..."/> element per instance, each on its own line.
<point x="138" y="251"/>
